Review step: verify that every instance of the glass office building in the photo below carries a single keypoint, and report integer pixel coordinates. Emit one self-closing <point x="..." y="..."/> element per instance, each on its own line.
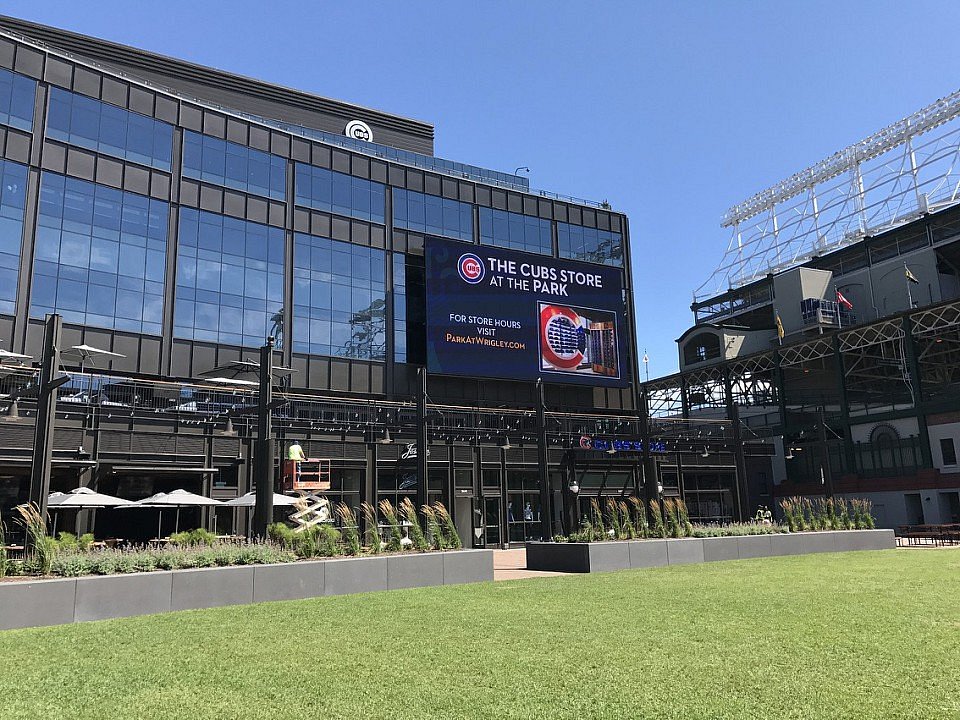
<point x="177" y="216"/>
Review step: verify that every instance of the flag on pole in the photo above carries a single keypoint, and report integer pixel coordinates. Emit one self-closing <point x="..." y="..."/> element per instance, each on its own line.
<point x="843" y="301"/>
<point x="779" y="327"/>
<point x="910" y="276"/>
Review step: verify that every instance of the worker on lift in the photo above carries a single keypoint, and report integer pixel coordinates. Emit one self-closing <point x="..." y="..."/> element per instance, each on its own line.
<point x="295" y="454"/>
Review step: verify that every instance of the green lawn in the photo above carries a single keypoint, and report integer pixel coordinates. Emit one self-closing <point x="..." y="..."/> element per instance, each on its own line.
<point x="861" y="635"/>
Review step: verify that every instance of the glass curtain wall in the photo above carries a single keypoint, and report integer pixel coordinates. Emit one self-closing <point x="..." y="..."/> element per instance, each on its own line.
<point x="17" y="95"/>
<point x="96" y="125"/>
<point x="432" y="215"/>
<point x="13" y="186"/>
<point x="234" y="166"/>
<point x="515" y="231"/>
<point x="100" y="256"/>
<point x="339" y="298"/>
<point x="590" y="244"/>
<point x="339" y="193"/>
<point x="229" y="280"/>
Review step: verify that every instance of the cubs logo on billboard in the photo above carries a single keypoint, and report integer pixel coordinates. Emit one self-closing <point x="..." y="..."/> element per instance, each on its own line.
<point x="499" y="313"/>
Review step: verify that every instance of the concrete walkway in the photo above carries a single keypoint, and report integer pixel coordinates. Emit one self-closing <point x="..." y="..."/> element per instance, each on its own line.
<point x="512" y="565"/>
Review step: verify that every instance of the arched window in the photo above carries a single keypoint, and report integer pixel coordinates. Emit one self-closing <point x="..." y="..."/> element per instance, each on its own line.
<point x="702" y="347"/>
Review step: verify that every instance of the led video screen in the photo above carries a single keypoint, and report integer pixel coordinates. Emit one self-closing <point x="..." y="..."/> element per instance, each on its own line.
<point x="499" y="313"/>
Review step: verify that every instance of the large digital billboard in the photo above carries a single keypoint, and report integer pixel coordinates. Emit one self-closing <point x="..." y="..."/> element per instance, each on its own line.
<point x="505" y="314"/>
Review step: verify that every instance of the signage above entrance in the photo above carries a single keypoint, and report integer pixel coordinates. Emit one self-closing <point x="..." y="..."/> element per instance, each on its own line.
<point x="618" y="445"/>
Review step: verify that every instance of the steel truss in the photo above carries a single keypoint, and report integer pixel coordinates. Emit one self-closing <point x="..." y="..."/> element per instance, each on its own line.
<point x="890" y="178"/>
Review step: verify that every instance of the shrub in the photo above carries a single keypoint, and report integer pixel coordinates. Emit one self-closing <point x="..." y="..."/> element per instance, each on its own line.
<point x="596" y="521"/>
<point x="657" y="528"/>
<point x="640" y="524"/>
<point x="613" y="519"/>
<point x="103" y="563"/>
<point x="351" y="535"/>
<point x="4" y="562"/>
<point x="281" y="534"/>
<point x="70" y="564"/>
<point x="190" y="538"/>
<point x="67" y="542"/>
<point x="629" y="531"/>
<point x="448" y="526"/>
<point x="85" y="541"/>
<point x="390" y="515"/>
<point x="560" y="538"/>
<point x="415" y="529"/>
<point x="437" y="540"/>
<point x="328" y="541"/>
<point x="40" y="547"/>
<point x="374" y="541"/>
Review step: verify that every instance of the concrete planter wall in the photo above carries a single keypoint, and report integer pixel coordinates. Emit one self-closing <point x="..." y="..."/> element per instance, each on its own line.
<point x="627" y="554"/>
<point x="31" y="603"/>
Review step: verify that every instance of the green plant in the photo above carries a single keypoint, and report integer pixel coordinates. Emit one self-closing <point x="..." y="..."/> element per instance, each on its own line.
<point x="103" y="563"/>
<point x="613" y="519"/>
<point x="4" y="562"/>
<point x="374" y="541"/>
<point x="657" y="528"/>
<point x="560" y="538"/>
<point x="628" y="530"/>
<point x="85" y="541"/>
<point x="684" y="518"/>
<point x="41" y="548"/>
<point x="190" y="538"/>
<point x="448" y="526"/>
<point x="596" y="521"/>
<point x="328" y="541"/>
<point x="70" y="564"/>
<point x="351" y="535"/>
<point x="281" y="533"/>
<point x="640" y="523"/>
<point x="414" y="528"/>
<point x="67" y="542"/>
<point x="393" y="522"/>
<point x="438" y="541"/>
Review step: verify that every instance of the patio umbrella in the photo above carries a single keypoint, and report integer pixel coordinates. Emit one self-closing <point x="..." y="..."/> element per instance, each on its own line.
<point x="80" y="498"/>
<point x="173" y="499"/>
<point x="250" y="500"/>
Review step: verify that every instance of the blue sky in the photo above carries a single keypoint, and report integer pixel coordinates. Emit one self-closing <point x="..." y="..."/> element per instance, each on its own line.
<point x="671" y="111"/>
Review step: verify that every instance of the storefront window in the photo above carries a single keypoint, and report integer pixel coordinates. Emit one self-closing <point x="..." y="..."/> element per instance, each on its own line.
<point x="523" y="505"/>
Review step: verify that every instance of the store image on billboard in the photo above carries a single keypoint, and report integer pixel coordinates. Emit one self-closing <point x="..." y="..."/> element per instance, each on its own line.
<point x="498" y="313"/>
<point x="578" y="341"/>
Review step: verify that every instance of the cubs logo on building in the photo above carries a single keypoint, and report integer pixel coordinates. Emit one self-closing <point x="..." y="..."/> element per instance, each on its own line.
<point x="358" y="130"/>
<point x="470" y="268"/>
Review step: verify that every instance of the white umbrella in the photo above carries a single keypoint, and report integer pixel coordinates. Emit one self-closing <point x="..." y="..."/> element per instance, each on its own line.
<point x="7" y="356"/>
<point x="84" y="497"/>
<point x="174" y="498"/>
<point x="250" y="500"/>
<point x="80" y="498"/>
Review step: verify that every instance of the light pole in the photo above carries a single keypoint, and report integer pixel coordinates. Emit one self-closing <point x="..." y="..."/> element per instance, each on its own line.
<point x="522" y="168"/>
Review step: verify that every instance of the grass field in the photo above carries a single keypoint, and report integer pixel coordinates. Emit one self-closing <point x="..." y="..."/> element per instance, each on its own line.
<point x="861" y="635"/>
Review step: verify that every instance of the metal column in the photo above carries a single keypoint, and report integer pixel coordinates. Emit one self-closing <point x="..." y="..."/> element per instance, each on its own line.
<point x="546" y="526"/>
<point x="264" y="457"/>
<point x="42" y="462"/>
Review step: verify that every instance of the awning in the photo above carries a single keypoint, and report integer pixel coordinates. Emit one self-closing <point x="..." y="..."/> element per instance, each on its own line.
<point x="163" y="469"/>
<point x="62" y="462"/>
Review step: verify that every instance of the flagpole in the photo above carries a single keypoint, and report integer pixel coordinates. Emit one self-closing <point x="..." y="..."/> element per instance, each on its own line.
<point x="906" y="277"/>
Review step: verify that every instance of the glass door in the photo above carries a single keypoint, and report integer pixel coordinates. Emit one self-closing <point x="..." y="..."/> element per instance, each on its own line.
<point x="491" y="521"/>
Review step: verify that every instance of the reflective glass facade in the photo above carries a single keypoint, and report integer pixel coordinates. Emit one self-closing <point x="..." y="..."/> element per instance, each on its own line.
<point x="100" y="256"/>
<point x="432" y="215"/>
<point x="515" y="231"/>
<point x="339" y="193"/>
<point x="339" y="298"/>
<point x="399" y="308"/>
<point x="590" y="244"/>
<point x="13" y="188"/>
<point x="96" y="125"/>
<point x="234" y="166"/>
<point x="17" y="95"/>
<point x="229" y="280"/>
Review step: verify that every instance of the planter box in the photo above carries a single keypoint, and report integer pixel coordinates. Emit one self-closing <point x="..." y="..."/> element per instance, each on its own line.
<point x="627" y="554"/>
<point x="31" y="603"/>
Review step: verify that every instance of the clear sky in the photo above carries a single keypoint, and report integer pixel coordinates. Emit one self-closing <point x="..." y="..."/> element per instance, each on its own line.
<point x="671" y="111"/>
